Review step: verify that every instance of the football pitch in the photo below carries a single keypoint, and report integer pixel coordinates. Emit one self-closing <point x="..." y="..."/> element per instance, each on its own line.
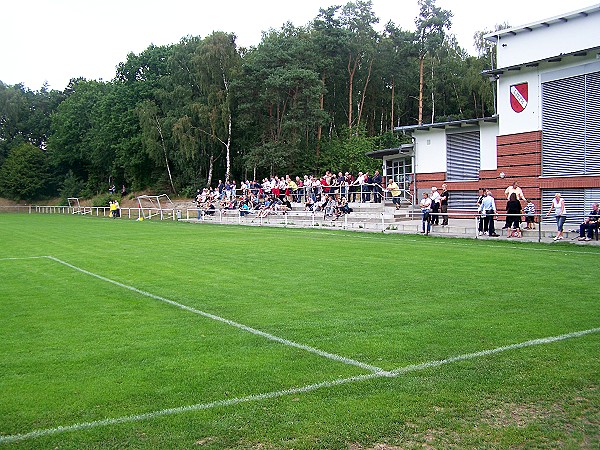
<point x="125" y="334"/>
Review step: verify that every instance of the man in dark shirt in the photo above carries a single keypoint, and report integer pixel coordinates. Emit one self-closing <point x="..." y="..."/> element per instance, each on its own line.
<point x="444" y="204"/>
<point x="589" y="224"/>
<point x="377" y="180"/>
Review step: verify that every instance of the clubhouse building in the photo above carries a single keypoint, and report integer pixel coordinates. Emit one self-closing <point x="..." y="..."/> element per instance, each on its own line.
<point x="545" y="135"/>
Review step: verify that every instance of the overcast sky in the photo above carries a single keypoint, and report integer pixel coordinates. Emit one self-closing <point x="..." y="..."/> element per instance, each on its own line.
<point x="56" y="40"/>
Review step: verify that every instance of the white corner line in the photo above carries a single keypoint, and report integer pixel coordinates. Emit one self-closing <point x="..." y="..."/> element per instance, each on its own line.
<point x="298" y="390"/>
<point x="271" y="337"/>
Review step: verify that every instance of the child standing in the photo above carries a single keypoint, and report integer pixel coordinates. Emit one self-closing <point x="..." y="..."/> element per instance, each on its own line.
<point x="530" y="215"/>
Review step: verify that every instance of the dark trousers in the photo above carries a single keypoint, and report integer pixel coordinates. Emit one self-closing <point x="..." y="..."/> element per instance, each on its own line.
<point x="587" y="228"/>
<point x="435" y="218"/>
<point x="444" y="210"/>
<point x="489" y="224"/>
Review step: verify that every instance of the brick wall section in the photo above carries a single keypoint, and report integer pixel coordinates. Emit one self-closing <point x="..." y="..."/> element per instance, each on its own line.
<point x="520" y="158"/>
<point x="570" y="183"/>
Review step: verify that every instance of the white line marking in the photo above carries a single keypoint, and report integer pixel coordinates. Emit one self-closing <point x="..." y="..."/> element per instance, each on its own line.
<point x="298" y="390"/>
<point x="23" y="258"/>
<point x="240" y="326"/>
<point x="375" y="236"/>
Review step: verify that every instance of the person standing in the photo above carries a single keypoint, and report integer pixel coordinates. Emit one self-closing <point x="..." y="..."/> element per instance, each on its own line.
<point x="425" y="205"/>
<point x="444" y="204"/>
<point x="513" y="214"/>
<point x="482" y="222"/>
<point x="377" y="180"/>
<point x="513" y="189"/>
<point x="394" y="191"/>
<point x="560" y="210"/>
<point x="435" y="206"/>
<point x="530" y="215"/>
<point x="488" y="209"/>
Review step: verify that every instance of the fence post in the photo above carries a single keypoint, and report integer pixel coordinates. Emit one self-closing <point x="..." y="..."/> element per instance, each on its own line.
<point x="313" y="217"/>
<point x="382" y="223"/>
<point x="540" y="229"/>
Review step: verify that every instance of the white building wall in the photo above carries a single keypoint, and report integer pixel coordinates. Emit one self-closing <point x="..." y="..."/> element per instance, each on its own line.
<point x="430" y="148"/>
<point x="530" y="118"/>
<point x="542" y="42"/>
<point x="487" y="143"/>
<point x="430" y="151"/>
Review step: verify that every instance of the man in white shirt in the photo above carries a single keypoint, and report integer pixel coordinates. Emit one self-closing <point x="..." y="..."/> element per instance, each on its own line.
<point x="488" y="209"/>
<point x="425" y="205"/>
<point x="435" y="206"/>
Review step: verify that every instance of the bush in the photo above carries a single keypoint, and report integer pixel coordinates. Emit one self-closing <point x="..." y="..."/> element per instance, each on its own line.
<point x="104" y="200"/>
<point x="24" y="174"/>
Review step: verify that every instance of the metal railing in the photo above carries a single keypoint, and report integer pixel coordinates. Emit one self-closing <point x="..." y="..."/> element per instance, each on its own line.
<point x="367" y="220"/>
<point x="355" y="193"/>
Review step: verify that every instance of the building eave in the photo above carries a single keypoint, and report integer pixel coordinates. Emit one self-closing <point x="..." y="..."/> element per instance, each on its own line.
<point x="494" y="73"/>
<point x="453" y="123"/>
<point x="531" y="27"/>
<point x="404" y="149"/>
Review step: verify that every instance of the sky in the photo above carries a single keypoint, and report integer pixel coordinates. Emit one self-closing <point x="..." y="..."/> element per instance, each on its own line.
<point x="52" y="41"/>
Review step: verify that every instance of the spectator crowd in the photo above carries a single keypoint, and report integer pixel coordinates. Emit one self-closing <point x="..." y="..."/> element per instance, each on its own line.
<point x="330" y="193"/>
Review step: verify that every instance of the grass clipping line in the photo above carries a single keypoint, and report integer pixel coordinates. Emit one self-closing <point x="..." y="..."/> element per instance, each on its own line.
<point x="311" y="387"/>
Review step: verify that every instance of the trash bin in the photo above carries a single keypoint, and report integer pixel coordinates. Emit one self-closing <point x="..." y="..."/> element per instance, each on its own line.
<point x="178" y="214"/>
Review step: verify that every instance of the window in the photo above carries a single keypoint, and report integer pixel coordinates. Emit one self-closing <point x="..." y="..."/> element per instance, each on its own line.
<point x="462" y="156"/>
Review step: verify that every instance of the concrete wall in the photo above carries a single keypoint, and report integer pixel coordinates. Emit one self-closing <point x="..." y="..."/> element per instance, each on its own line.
<point x="542" y="42"/>
<point x="430" y="151"/>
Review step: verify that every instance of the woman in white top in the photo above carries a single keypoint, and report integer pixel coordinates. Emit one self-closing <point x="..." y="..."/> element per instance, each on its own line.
<point x="560" y="210"/>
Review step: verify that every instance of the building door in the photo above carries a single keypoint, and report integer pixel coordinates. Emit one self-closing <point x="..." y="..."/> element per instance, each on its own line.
<point x="401" y="171"/>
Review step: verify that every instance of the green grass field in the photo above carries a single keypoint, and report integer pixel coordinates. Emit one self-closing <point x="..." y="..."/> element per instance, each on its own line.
<point x="123" y="334"/>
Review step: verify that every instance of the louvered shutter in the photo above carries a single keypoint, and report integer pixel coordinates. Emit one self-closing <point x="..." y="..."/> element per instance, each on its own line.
<point x="463" y="200"/>
<point x="571" y="126"/>
<point x="462" y="153"/>
<point x="563" y="127"/>
<point x="574" y="202"/>
<point x="592" y="124"/>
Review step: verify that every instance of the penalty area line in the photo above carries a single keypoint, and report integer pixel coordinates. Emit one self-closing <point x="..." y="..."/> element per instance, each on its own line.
<point x="271" y="337"/>
<point x="298" y="390"/>
<point x="23" y="258"/>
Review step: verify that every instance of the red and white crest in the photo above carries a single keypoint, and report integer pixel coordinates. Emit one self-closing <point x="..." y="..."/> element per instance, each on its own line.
<point x="519" y="97"/>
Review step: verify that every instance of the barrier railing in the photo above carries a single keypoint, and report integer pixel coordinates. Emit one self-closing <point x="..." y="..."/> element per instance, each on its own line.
<point x="367" y="220"/>
<point x="356" y="193"/>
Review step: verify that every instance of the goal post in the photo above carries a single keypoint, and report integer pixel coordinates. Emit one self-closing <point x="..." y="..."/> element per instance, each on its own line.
<point x="75" y="206"/>
<point x="155" y="205"/>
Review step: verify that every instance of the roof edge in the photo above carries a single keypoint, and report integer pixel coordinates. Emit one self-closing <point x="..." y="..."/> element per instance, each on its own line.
<point x="582" y="12"/>
<point x="453" y="123"/>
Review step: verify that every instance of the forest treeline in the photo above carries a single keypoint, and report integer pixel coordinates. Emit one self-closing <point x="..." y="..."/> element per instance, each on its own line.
<point x="305" y="99"/>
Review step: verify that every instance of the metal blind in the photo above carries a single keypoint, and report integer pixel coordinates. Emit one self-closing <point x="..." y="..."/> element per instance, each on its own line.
<point x="571" y="126"/>
<point x="576" y="202"/>
<point x="592" y="123"/>
<point x="563" y="127"/>
<point x="462" y="156"/>
<point x="463" y="200"/>
<point x="592" y="195"/>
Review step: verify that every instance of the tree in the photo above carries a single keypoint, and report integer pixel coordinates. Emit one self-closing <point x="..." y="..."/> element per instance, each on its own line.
<point x="24" y="174"/>
<point x="431" y="23"/>
<point x="358" y="20"/>
<point x="153" y="137"/>
<point x="396" y="54"/>
<point x="278" y="95"/>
